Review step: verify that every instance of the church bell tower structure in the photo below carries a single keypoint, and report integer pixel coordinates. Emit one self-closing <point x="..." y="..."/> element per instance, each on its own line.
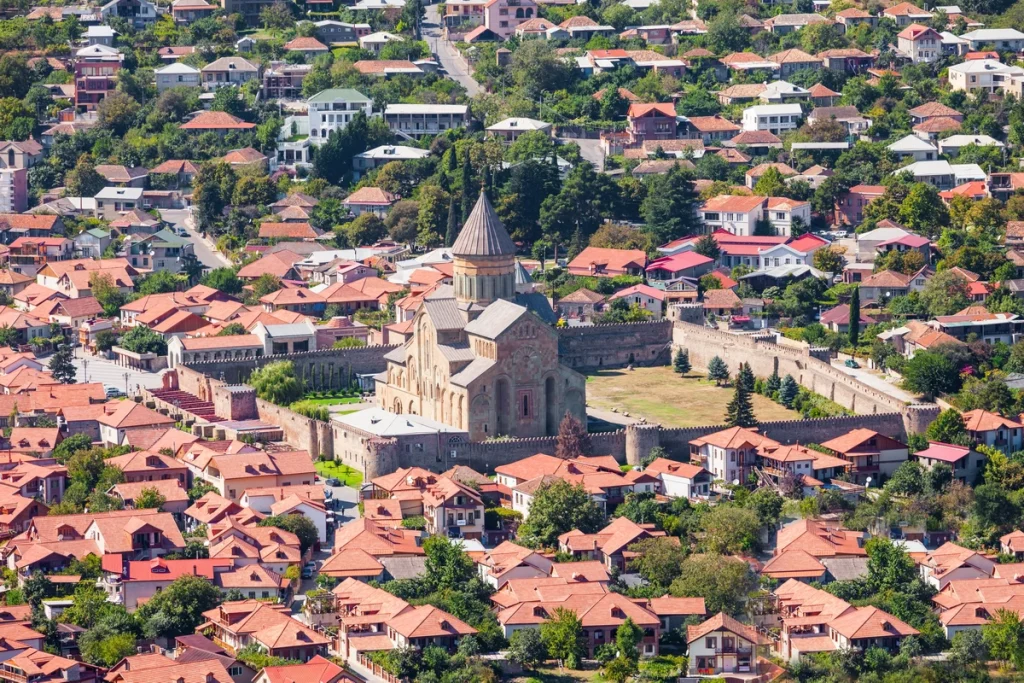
<point x="484" y="259"/>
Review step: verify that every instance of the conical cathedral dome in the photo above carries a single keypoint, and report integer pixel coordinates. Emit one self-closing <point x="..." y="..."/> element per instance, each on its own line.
<point x="483" y="234"/>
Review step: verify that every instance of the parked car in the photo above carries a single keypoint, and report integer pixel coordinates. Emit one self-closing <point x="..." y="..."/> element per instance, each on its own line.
<point x="308" y="569"/>
<point x="114" y="392"/>
<point x="851" y="363"/>
<point x="334" y="481"/>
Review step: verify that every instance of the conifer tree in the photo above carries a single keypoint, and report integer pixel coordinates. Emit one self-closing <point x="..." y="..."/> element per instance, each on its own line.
<point x="718" y="370"/>
<point x="453" y="224"/>
<point x="746" y="377"/>
<point x="740" y="411"/>
<point x="772" y="385"/>
<point x="855" y="317"/>
<point x="788" y="391"/>
<point x="681" y="363"/>
<point x="467" y="187"/>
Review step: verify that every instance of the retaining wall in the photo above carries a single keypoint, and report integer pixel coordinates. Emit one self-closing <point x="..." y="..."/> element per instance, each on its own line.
<point x="327" y="369"/>
<point x="616" y="345"/>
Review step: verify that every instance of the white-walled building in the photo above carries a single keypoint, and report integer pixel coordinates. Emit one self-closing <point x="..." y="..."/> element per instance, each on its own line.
<point x="913" y="147"/>
<point x="177" y="75"/>
<point x="334" y="109"/>
<point x="1003" y="39"/>
<point x="988" y="75"/>
<point x="775" y="118"/>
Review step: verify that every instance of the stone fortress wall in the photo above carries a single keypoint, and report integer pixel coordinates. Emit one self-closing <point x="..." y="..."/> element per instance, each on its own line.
<point x="615" y="345"/>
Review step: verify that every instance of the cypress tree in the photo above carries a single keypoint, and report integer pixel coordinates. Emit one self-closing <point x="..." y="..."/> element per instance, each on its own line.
<point x="453" y="224"/>
<point x="855" y="317"/>
<point x="467" y="187"/>
<point x="740" y="411"/>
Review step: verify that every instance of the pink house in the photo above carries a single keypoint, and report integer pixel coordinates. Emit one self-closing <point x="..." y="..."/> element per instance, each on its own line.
<point x="504" y="16"/>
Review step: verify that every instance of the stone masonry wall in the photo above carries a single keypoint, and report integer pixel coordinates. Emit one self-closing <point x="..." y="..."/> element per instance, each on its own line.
<point x="764" y="357"/>
<point x="616" y="345"/>
<point x="329" y="369"/>
<point x="303" y="432"/>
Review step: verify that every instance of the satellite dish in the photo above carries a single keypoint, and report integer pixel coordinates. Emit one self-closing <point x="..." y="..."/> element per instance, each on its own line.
<point x="867" y="483"/>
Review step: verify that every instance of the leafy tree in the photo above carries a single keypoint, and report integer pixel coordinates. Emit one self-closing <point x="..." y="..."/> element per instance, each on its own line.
<point x="178" y="609"/>
<point x="452" y="231"/>
<point x="17" y="121"/>
<point x="723" y="582"/>
<point x="141" y="339"/>
<point x="332" y="160"/>
<point x="276" y="382"/>
<point x="232" y="330"/>
<point x="300" y="525"/>
<point x="8" y="336"/>
<point x="563" y="636"/>
<point x="945" y="293"/>
<point x="61" y="366"/>
<point x="366" y="229"/>
<point x="657" y="559"/>
<point x="150" y="499"/>
<point x="681" y="362"/>
<point x="949" y="427"/>
<point x="107" y="293"/>
<point x="537" y="68"/>
<point x="718" y="370"/>
<point x="267" y="283"/>
<point x="200" y="487"/>
<point x="348" y="343"/>
<point x="740" y="411"/>
<point x="448" y="567"/>
<point x="968" y="649"/>
<point x="160" y="282"/>
<point x="931" y="374"/>
<point x="771" y="183"/>
<point x="855" y="317"/>
<point x="572" y="440"/>
<point x="63" y="451"/>
<point x="907" y="479"/>
<point x="668" y="208"/>
<point x="83" y="180"/>
<point x="729" y="530"/>
<point x="15" y="76"/>
<point x="788" y="391"/>
<point x="117" y="111"/>
<point x="1004" y="638"/>
<point x="559" y="507"/>
<point x="526" y="648"/>
<point x="938" y="478"/>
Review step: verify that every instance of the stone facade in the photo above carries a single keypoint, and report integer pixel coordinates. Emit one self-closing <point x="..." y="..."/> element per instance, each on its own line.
<point x="477" y="361"/>
<point x="616" y="345"/>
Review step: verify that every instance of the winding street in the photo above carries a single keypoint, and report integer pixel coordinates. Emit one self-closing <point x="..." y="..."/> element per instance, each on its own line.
<point x="450" y="59"/>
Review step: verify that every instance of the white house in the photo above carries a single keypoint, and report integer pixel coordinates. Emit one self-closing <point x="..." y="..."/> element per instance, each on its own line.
<point x="378" y="156"/>
<point x="943" y="174"/>
<point x="1002" y="39"/>
<point x="988" y="75"/>
<point x="782" y="211"/>
<point x="175" y="75"/>
<point x="776" y="118"/>
<point x="799" y="252"/>
<point x="646" y="297"/>
<point x="923" y="45"/>
<point x="375" y="42"/>
<point x="954" y="143"/>
<point x="334" y="109"/>
<point x="737" y="214"/>
<point x="512" y="128"/>
<point x="915" y="148"/>
<point x="681" y="479"/>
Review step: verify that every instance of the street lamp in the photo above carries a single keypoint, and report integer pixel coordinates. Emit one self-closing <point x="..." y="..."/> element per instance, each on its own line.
<point x="126" y="376"/>
<point x="85" y="369"/>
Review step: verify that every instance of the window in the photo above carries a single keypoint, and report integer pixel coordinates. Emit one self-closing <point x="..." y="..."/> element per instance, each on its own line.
<point x="711" y="643"/>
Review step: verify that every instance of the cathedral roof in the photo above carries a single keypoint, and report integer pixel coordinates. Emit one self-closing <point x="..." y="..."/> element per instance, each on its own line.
<point x="495" y="319"/>
<point x="465" y="377"/>
<point x="522" y="276"/>
<point x="483" y="234"/>
<point x="444" y="313"/>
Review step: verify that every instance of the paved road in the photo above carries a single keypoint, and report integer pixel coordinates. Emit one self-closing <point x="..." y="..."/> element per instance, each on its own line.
<point x="450" y="59"/>
<point x="204" y="248"/>
<point x="876" y="381"/>
<point x="93" y="369"/>
<point x="589" y="150"/>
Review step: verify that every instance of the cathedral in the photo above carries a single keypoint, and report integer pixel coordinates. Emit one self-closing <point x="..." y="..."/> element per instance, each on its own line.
<point x="483" y="357"/>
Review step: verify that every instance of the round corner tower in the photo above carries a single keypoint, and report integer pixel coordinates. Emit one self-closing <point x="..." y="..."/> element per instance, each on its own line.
<point x="484" y="258"/>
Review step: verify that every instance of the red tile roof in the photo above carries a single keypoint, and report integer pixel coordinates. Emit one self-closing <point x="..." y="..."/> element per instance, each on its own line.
<point x="217" y="120"/>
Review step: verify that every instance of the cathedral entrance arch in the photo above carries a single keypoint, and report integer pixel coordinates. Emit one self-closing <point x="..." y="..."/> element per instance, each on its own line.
<point x="398" y="406"/>
<point x="550" y="407"/>
<point x="503" y="406"/>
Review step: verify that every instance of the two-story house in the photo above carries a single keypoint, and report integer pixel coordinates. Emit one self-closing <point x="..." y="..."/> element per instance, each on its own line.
<point x="736" y="214"/>
<point x="177" y="75"/>
<point x="921" y="44"/>
<point x="333" y="109"/>
<point x="729" y="455"/>
<point x="870" y="454"/>
<point x="966" y="463"/>
<point x="994" y="431"/>
<point x="228" y="71"/>
<point x="503" y="17"/>
<point x="722" y="645"/>
<point x="775" y="118"/>
<point x="162" y="251"/>
<point x="651" y="122"/>
<point x="799" y="252"/>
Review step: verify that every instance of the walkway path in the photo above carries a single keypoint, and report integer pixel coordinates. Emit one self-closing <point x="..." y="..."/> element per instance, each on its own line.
<point x="451" y="60"/>
<point x="876" y="381"/>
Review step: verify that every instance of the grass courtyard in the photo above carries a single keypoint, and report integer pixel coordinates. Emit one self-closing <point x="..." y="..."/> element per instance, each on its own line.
<point x="348" y="475"/>
<point x="663" y="397"/>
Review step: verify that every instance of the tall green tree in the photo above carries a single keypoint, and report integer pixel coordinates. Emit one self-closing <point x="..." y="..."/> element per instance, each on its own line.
<point x="559" y="507"/>
<point x="681" y="362"/>
<point x="718" y="370"/>
<point x="563" y="636"/>
<point x="1004" y="638"/>
<point x="855" y="317"/>
<point x="740" y="411"/>
<point x="453" y="223"/>
<point x="178" y="609"/>
<point x="468" y="194"/>
<point x="61" y="365"/>
<point x="669" y="207"/>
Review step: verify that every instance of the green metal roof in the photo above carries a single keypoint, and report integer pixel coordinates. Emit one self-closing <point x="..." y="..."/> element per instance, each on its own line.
<point x="346" y="94"/>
